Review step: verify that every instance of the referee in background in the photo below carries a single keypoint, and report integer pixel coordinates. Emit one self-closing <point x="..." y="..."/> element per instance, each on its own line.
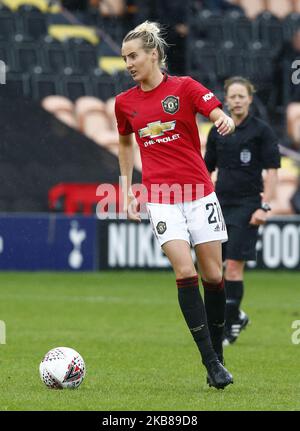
<point x="240" y="159"/>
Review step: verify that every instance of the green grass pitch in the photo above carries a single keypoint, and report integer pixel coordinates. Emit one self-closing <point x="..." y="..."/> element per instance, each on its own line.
<point x="138" y="351"/>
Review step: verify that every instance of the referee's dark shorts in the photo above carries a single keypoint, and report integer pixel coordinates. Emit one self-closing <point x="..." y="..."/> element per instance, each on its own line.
<point x="242" y="236"/>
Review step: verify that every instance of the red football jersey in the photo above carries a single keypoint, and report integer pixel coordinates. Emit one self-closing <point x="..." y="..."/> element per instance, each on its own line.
<point x="164" y="123"/>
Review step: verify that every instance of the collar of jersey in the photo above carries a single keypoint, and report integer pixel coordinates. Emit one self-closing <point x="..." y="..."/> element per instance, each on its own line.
<point x="245" y="122"/>
<point x="155" y="88"/>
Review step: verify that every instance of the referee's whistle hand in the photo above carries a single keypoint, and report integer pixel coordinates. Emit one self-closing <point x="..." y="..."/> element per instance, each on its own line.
<point x="258" y="217"/>
<point x="225" y="125"/>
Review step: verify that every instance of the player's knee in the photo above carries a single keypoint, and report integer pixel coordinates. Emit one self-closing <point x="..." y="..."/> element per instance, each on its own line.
<point x="214" y="278"/>
<point x="185" y="272"/>
<point x="233" y="271"/>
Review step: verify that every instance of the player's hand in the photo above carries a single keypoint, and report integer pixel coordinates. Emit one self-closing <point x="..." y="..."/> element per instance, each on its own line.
<point x="225" y="125"/>
<point x="131" y="209"/>
<point x="258" y="217"/>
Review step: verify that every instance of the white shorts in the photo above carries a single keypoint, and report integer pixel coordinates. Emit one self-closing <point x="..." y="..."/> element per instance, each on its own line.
<point x="196" y="222"/>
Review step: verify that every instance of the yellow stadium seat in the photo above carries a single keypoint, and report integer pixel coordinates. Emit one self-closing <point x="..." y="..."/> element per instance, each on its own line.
<point x="42" y="5"/>
<point x="55" y="8"/>
<point x="112" y="64"/>
<point x="62" y="32"/>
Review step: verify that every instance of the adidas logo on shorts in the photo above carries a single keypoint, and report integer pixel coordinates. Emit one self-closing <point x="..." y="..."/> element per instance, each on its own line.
<point x="217" y="228"/>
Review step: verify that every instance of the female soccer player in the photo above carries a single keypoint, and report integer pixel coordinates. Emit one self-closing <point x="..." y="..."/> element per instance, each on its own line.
<point x="182" y="205"/>
<point x="240" y="159"/>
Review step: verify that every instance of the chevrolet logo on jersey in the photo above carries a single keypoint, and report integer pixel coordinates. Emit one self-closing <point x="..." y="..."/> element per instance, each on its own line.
<point x="157" y="128"/>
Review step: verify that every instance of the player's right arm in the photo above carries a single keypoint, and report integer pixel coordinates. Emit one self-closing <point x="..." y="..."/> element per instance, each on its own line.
<point x="126" y="167"/>
<point x="126" y="159"/>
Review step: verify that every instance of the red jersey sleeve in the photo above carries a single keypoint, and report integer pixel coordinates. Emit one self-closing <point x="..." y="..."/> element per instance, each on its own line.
<point x="203" y="100"/>
<point x="124" y="126"/>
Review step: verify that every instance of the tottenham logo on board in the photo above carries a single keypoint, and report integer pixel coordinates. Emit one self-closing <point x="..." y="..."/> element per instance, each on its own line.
<point x="170" y="104"/>
<point x="161" y="227"/>
<point x="245" y="156"/>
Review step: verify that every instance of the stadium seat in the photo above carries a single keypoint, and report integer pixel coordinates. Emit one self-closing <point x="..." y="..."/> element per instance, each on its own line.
<point x="111" y="64"/>
<point x="113" y="26"/>
<point x="290" y="24"/>
<point x="14" y="5"/>
<point x="75" y="86"/>
<point x="44" y="85"/>
<point x="17" y="85"/>
<point x="104" y="85"/>
<point x="84" y="55"/>
<point x="4" y="7"/>
<point x="7" y="55"/>
<point x="212" y="29"/>
<point x="79" y="198"/>
<point x="204" y="59"/>
<point x="9" y="24"/>
<point x="268" y="30"/>
<point x="56" y="55"/>
<point x="234" y="61"/>
<point x="34" y="22"/>
<point x="62" y="108"/>
<point x="260" y="62"/>
<point x="63" y="32"/>
<point x="28" y="55"/>
<point x="238" y="29"/>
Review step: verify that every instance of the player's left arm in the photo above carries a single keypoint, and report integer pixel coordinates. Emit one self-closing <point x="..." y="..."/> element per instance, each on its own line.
<point x="260" y="215"/>
<point x="224" y="124"/>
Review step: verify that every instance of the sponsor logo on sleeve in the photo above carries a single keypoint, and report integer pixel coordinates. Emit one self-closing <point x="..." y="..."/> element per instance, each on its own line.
<point x="208" y="96"/>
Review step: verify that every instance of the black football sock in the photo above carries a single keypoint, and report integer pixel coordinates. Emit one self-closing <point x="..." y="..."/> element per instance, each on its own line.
<point x="193" y="310"/>
<point x="214" y="298"/>
<point x="234" y="294"/>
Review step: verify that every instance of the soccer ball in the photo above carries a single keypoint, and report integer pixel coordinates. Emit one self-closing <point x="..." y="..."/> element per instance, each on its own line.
<point x="62" y="368"/>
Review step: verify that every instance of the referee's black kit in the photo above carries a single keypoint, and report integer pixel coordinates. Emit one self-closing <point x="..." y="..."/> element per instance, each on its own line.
<point x="240" y="159"/>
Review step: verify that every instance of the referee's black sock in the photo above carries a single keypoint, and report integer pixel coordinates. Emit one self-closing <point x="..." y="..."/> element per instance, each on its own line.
<point x="214" y="298"/>
<point x="234" y="293"/>
<point x="193" y="309"/>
